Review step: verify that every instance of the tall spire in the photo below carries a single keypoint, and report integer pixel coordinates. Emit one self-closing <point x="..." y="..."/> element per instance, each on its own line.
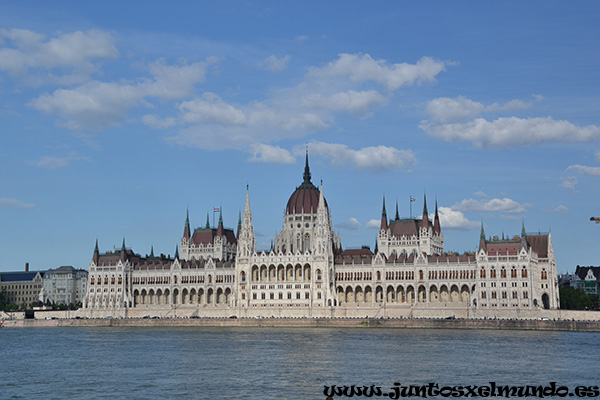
<point x="96" y="253"/>
<point x="123" y="251"/>
<point x="207" y="221"/>
<point x="397" y="214"/>
<point x="176" y="257"/>
<point x="523" y="236"/>
<point x="425" y="222"/>
<point x="152" y="251"/>
<point x="239" y="224"/>
<point x="186" y="229"/>
<point x="306" y="169"/>
<point x="436" y="220"/>
<point x="220" y="229"/>
<point x="482" y="245"/>
<point x="384" y="221"/>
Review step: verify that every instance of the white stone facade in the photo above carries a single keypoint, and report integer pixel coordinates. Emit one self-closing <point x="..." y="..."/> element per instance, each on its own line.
<point x="306" y="272"/>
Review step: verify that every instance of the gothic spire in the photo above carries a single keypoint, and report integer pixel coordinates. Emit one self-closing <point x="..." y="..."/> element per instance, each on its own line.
<point x="96" y="253"/>
<point x="151" y="251"/>
<point x="397" y="214"/>
<point x="176" y="257"/>
<point x="306" y="169"/>
<point x="207" y="221"/>
<point x="384" y="222"/>
<point x="436" y="220"/>
<point x="186" y="229"/>
<point x="482" y="244"/>
<point x="425" y="221"/>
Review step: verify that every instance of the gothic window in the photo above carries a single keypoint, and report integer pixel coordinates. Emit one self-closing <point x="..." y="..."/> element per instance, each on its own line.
<point x="503" y="273"/>
<point x="306" y="242"/>
<point x="243" y="276"/>
<point x="513" y="272"/>
<point x="493" y="273"/>
<point x="482" y="273"/>
<point x="318" y="274"/>
<point x="524" y="273"/>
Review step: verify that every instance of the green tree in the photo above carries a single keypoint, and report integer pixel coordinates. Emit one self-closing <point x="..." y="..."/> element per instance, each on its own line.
<point x="3" y="301"/>
<point x="575" y="299"/>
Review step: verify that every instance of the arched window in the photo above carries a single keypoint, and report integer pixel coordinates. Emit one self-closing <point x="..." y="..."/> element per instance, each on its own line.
<point x="503" y="273"/>
<point x="378" y="275"/>
<point x="306" y="242"/>
<point x="524" y="273"/>
<point x="482" y="273"/>
<point x="513" y="272"/>
<point x="319" y="277"/>
<point x="243" y="276"/>
<point x="493" y="273"/>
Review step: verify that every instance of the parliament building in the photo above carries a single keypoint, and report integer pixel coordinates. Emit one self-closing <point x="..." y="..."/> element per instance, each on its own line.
<point x="307" y="273"/>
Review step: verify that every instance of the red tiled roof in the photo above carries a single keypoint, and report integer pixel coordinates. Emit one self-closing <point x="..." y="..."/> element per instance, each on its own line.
<point x="405" y="227"/>
<point x="539" y="244"/>
<point x="207" y="236"/>
<point x="503" y="248"/>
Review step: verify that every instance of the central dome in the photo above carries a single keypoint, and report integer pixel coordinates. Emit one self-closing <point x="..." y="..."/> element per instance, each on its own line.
<point x="305" y="198"/>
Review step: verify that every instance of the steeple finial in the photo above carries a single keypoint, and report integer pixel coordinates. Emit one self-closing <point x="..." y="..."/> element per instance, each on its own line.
<point x="207" y="221"/>
<point x="220" y="214"/>
<point x="176" y="257"/>
<point x="151" y="251"/>
<point x="306" y="168"/>
<point x="96" y="248"/>
<point x="482" y="234"/>
<point x="397" y="213"/>
<point x="523" y="234"/>
<point x="186" y="228"/>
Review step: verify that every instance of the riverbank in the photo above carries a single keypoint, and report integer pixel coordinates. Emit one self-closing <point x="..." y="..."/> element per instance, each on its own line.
<point x="497" y="324"/>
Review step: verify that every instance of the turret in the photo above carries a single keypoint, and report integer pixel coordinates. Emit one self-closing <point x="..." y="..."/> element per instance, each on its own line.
<point x="523" y="236"/>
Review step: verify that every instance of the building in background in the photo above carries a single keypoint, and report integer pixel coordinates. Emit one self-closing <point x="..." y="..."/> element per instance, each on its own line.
<point x="64" y="285"/>
<point x="586" y="278"/>
<point x="22" y="288"/>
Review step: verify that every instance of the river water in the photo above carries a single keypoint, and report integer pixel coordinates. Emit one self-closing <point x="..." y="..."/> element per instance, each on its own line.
<point x="279" y="363"/>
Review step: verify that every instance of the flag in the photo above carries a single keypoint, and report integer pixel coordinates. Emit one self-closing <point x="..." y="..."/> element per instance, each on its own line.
<point x="411" y="199"/>
<point x="216" y="209"/>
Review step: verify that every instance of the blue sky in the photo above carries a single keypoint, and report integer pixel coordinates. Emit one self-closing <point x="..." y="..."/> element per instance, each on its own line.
<point x="116" y="117"/>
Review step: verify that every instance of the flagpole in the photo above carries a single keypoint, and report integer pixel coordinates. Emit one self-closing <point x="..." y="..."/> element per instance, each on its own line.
<point x="410" y="202"/>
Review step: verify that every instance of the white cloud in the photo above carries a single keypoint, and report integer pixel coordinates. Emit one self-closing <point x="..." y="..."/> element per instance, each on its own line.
<point x="272" y="63"/>
<point x="511" y="131"/>
<point x="351" y="224"/>
<point x="597" y="154"/>
<point x="480" y="194"/>
<point x="94" y="105"/>
<point x="569" y="182"/>
<point x="155" y="122"/>
<point x="361" y="67"/>
<point x="271" y="154"/>
<point x="73" y="52"/>
<point x="504" y="205"/>
<point x="594" y="171"/>
<point x="560" y="209"/>
<point x="211" y="109"/>
<point x="54" y="163"/>
<point x="445" y="110"/>
<point x="352" y="101"/>
<point x="453" y="219"/>
<point x="97" y="105"/>
<point x="7" y="202"/>
<point x="373" y="224"/>
<point x="379" y="158"/>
